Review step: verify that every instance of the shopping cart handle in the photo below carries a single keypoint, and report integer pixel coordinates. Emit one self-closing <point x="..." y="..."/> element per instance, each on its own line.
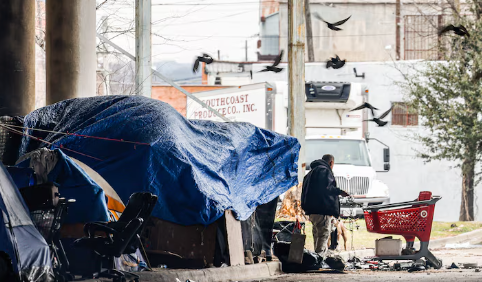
<point x="411" y="203"/>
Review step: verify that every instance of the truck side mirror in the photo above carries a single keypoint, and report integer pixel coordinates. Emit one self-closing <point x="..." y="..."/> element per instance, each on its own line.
<point x="386" y="155"/>
<point x="386" y="166"/>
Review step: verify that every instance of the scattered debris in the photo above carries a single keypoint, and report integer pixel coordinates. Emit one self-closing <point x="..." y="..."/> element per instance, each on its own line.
<point x="410" y="251"/>
<point x="470" y="265"/>
<point x="335" y="262"/>
<point x="453" y="266"/>
<point x="417" y="268"/>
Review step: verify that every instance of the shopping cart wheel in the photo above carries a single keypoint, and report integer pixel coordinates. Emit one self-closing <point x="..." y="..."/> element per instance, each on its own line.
<point x="433" y="261"/>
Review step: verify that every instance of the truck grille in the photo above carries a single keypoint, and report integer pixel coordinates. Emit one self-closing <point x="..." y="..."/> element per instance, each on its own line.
<point x="357" y="185"/>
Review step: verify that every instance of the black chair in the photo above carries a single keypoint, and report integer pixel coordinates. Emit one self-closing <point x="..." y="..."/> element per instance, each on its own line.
<point x="140" y="205"/>
<point x="113" y="245"/>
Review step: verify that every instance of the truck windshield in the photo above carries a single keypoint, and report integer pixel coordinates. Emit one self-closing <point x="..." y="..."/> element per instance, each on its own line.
<point x="350" y="152"/>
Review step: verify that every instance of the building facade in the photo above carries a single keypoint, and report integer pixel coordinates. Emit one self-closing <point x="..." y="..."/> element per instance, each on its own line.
<point x="378" y="30"/>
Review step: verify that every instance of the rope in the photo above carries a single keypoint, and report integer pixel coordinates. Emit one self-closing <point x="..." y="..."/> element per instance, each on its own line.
<point x="79" y="135"/>
<point x="44" y="141"/>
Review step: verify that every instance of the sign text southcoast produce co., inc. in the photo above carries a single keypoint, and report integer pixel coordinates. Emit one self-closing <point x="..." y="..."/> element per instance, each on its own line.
<point x="246" y="107"/>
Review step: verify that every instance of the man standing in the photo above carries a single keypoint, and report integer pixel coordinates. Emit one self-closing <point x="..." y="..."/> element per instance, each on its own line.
<point x="319" y="200"/>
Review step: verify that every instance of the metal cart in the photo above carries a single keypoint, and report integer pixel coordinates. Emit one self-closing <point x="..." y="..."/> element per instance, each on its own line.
<point x="411" y="220"/>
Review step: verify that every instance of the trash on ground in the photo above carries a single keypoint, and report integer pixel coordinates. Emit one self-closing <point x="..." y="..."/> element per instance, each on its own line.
<point x="470" y="265"/>
<point x="453" y="266"/>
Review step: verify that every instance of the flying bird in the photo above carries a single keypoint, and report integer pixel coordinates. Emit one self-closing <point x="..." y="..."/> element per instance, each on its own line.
<point x="273" y="67"/>
<point x="459" y="30"/>
<point x="335" y="63"/>
<point x="365" y="106"/>
<point x="378" y="120"/>
<point x="332" y="26"/>
<point x="205" y="58"/>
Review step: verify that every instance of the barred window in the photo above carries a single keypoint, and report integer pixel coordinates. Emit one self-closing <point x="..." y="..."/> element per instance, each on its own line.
<point x="404" y="115"/>
<point x="421" y="40"/>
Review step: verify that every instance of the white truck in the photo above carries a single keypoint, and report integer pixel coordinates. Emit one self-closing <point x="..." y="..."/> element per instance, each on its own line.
<point x="330" y="128"/>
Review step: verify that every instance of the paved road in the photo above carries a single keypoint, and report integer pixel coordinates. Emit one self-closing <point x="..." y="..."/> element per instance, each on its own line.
<point x="372" y="276"/>
<point x="458" y="256"/>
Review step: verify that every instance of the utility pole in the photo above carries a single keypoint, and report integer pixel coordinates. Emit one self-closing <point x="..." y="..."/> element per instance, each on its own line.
<point x="296" y="77"/>
<point x="246" y="49"/>
<point x="143" y="48"/>
<point x="398" y="29"/>
<point x="309" y="32"/>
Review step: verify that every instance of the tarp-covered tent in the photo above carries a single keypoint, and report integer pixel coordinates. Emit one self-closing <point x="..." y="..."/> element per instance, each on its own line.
<point x="198" y="169"/>
<point x="19" y="238"/>
<point x="73" y="182"/>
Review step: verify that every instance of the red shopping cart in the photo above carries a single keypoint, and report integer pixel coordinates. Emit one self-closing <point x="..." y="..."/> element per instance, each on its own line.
<point x="409" y="219"/>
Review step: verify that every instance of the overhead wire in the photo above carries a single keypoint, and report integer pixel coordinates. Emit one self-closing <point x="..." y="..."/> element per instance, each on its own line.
<point x="7" y="127"/>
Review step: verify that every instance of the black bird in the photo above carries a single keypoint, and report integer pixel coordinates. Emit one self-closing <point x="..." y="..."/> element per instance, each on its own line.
<point x="332" y="26"/>
<point x="273" y="67"/>
<point x="205" y="58"/>
<point x="364" y="106"/>
<point x="335" y="63"/>
<point x="459" y="30"/>
<point x="378" y="120"/>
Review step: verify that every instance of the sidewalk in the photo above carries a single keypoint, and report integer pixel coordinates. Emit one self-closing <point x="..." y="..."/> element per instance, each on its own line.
<point x="271" y="270"/>
<point x="233" y="273"/>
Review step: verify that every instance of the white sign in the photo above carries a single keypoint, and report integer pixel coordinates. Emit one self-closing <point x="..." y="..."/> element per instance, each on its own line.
<point x="245" y="106"/>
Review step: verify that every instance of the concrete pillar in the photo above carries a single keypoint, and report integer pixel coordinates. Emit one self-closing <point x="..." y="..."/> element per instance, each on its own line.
<point x="70" y="49"/>
<point x="17" y="57"/>
<point x="143" y="48"/>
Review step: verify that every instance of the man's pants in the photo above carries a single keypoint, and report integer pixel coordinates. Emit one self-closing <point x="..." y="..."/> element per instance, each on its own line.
<point x="321" y="232"/>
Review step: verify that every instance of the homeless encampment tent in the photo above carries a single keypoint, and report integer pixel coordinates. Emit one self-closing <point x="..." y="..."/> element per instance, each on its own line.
<point x="73" y="182"/>
<point x="94" y="198"/>
<point x="198" y="169"/>
<point x="19" y="239"/>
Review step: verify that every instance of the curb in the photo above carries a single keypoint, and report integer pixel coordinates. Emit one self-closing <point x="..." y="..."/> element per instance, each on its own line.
<point x="472" y="237"/>
<point x="223" y="274"/>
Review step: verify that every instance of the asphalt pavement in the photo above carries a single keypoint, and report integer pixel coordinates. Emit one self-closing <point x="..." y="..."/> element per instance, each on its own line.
<point x="459" y="256"/>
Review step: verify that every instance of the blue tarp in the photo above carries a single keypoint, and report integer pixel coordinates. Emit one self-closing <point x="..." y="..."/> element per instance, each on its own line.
<point x="198" y="169"/>
<point x="75" y="183"/>
<point x="22" y="176"/>
<point x="19" y="238"/>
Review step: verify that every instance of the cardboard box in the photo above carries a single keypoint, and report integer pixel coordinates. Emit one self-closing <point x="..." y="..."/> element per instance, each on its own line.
<point x="388" y="247"/>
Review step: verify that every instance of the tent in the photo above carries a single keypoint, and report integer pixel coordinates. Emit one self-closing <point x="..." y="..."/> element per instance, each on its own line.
<point x="74" y="183"/>
<point x="19" y="239"/>
<point x="199" y="169"/>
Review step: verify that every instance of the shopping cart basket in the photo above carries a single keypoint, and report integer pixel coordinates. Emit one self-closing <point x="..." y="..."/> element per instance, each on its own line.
<point x="48" y="221"/>
<point x="409" y="219"/>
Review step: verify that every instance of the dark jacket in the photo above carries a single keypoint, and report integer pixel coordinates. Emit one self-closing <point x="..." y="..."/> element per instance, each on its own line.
<point x="320" y="195"/>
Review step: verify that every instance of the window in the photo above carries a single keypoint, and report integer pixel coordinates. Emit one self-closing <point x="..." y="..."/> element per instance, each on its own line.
<point x="404" y="115"/>
<point x="421" y="40"/>
<point x="345" y="151"/>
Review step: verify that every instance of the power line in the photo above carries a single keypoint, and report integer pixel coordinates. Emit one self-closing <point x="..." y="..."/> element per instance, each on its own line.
<point x="277" y="36"/>
<point x="210" y="4"/>
<point x="209" y="20"/>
